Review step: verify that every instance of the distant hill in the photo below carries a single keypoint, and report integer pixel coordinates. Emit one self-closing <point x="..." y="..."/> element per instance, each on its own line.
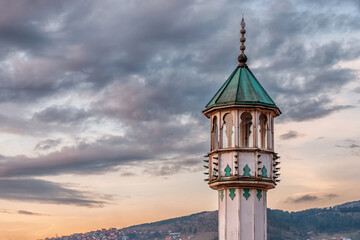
<point x="348" y="205"/>
<point x="318" y="223"/>
<point x="338" y="222"/>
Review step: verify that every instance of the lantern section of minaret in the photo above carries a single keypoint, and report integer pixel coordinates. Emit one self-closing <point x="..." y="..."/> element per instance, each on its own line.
<point x="242" y="164"/>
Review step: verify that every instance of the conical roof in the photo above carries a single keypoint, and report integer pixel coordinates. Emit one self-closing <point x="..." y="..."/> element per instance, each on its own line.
<point x="241" y="88"/>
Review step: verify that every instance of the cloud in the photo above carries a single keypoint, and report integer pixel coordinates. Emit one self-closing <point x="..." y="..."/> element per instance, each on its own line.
<point x="5" y="211"/>
<point x="304" y="198"/>
<point x="331" y="196"/>
<point x="128" y="174"/>
<point x="22" y="24"/>
<point x="22" y="212"/>
<point x="167" y="168"/>
<point x="61" y="115"/>
<point x="302" y="74"/>
<point x="14" y="125"/>
<point x="310" y="198"/>
<point x="354" y="146"/>
<point x="290" y="135"/>
<point x="84" y="158"/>
<point x="109" y="152"/>
<point x="28" y="213"/>
<point x="178" y="69"/>
<point x="311" y="109"/>
<point x="47" y="144"/>
<point x="41" y="191"/>
<point x="351" y="146"/>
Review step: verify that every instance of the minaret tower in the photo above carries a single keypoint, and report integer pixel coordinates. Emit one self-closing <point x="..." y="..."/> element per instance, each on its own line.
<point x="242" y="163"/>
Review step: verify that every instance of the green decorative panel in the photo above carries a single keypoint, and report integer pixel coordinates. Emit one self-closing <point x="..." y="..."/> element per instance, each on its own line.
<point x="227" y="171"/>
<point x="247" y="171"/>
<point x="221" y="194"/>
<point x="232" y="193"/>
<point x="259" y="195"/>
<point x="264" y="172"/>
<point x="214" y="173"/>
<point x="246" y="193"/>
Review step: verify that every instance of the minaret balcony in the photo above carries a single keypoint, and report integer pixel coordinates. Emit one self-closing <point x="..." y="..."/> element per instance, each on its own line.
<point x="242" y="182"/>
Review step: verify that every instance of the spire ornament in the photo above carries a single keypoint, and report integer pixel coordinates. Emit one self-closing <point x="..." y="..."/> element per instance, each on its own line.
<point x="242" y="57"/>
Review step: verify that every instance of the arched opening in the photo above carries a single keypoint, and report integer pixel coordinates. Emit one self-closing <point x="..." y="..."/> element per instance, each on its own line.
<point x="246" y="136"/>
<point x="214" y="134"/>
<point x="228" y="131"/>
<point x="262" y="130"/>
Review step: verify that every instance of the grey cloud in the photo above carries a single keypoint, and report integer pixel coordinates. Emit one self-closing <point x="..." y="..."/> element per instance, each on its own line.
<point x="308" y="95"/>
<point x="46" y="122"/>
<point x="351" y="146"/>
<point x="37" y="66"/>
<point x="22" y="212"/>
<point x="61" y="115"/>
<point x="298" y="75"/>
<point x="311" y="108"/>
<point x="41" y="191"/>
<point x="108" y="153"/>
<point x="5" y="211"/>
<point x="128" y="174"/>
<point x="290" y="135"/>
<point x="14" y="125"/>
<point x="304" y="198"/>
<point x="354" y="146"/>
<point x="32" y="127"/>
<point x="84" y="52"/>
<point x="331" y="196"/>
<point x="22" y="23"/>
<point x="166" y="168"/>
<point x="47" y="144"/>
<point x="23" y="36"/>
<point x="83" y="158"/>
<point x="310" y="198"/>
<point x="28" y="213"/>
<point x="178" y="67"/>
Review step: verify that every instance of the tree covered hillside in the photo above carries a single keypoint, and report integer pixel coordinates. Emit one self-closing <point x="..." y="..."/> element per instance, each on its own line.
<point x="343" y="218"/>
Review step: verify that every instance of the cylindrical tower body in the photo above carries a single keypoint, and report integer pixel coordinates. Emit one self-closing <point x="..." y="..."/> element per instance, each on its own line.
<point x="242" y="164"/>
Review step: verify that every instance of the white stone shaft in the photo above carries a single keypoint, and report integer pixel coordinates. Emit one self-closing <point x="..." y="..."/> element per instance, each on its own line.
<point x="241" y="218"/>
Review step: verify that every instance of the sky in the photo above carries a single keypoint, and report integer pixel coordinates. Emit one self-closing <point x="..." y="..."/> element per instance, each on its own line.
<point x="101" y="103"/>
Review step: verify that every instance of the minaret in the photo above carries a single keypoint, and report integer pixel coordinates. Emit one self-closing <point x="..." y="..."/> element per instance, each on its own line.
<point x="242" y="163"/>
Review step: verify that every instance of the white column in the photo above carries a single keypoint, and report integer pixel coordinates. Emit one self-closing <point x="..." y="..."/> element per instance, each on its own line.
<point x="256" y="133"/>
<point x="241" y="218"/>
<point x="236" y="124"/>
<point x="222" y="215"/>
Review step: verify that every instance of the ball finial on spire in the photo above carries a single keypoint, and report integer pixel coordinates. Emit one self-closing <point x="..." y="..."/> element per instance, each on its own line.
<point x="242" y="57"/>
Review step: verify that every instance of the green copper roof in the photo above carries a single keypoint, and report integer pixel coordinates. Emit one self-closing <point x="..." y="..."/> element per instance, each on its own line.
<point x="241" y="88"/>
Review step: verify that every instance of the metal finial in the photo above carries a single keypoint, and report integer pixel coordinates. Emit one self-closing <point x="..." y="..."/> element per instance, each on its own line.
<point x="242" y="57"/>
